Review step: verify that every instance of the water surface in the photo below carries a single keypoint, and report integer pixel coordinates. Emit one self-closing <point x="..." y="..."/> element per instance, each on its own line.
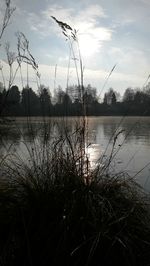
<point x="127" y="139"/>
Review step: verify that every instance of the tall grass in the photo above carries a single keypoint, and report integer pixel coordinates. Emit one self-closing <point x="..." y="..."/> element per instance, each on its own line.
<point x="55" y="209"/>
<point x="50" y="214"/>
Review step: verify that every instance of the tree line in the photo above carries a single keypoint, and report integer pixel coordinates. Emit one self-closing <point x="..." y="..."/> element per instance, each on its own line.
<point x="27" y="102"/>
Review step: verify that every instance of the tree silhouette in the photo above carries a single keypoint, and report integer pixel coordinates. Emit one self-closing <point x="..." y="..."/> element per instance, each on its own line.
<point x="30" y="102"/>
<point x="110" y="97"/>
<point x="45" y="100"/>
<point x="129" y="95"/>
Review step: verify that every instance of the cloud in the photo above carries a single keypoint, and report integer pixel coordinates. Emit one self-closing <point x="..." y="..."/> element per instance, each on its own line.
<point x="39" y="25"/>
<point x="91" y="13"/>
<point x="146" y="2"/>
<point x="86" y="21"/>
<point x="118" y="80"/>
<point x="58" y="11"/>
<point x="131" y="60"/>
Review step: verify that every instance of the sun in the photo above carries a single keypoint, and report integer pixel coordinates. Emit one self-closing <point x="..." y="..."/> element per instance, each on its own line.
<point x="88" y="45"/>
<point x="91" y="38"/>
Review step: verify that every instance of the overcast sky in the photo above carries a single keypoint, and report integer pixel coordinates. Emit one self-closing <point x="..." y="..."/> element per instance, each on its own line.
<point x="110" y="32"/>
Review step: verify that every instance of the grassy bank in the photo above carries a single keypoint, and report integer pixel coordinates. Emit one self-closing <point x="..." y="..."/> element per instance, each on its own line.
<point x="56" y="211"/>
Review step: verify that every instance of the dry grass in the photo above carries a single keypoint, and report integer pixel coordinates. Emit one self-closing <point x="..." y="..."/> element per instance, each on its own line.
<point x="55" y="213"/>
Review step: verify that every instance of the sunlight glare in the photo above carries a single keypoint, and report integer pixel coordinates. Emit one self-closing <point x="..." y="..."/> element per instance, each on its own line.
<point x="91" y="38"/>
<point x="88" y="45"/>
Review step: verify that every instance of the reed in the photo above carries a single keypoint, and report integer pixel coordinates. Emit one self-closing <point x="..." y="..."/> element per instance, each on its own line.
<point x="54" y="209"/>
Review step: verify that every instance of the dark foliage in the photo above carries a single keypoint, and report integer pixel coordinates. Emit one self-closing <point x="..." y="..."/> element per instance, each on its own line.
<point x="28" y="103"/>
<point x="61" y="220"/>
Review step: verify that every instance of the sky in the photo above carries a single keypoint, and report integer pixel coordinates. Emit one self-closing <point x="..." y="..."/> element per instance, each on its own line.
<point x="110" y="32"/>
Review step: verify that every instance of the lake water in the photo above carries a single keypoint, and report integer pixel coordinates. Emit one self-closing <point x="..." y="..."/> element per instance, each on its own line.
<point x="127" y="139"/>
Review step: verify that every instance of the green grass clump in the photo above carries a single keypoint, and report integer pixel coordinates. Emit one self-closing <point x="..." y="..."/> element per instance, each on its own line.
<point x="50" y="215"/>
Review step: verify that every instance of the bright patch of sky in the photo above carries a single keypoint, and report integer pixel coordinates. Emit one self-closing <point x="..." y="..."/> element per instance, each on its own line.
<point x="109" y="31"/>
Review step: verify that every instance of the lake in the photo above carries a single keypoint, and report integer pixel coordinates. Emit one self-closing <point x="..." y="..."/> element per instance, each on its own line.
<point x="126" y="139"/>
